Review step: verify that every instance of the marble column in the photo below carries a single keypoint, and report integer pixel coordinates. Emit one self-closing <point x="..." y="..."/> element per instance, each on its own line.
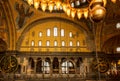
<point x="60" y="69"/>
<point x="51" y="67"/>
<point x="35" y="65"/>
<point x="75" y="66"/>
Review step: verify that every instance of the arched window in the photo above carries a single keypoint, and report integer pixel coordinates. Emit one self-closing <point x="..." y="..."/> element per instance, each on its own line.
<point x="40" y="43"/>
<point x="55" y="43"/>
<point x="63" y="43"/>
<point x="78" y="43"/>
<point x="70" y="34"/>
<point x="70" y="43"/>
<point x="55" y="31"/>
<point x="47" y="43"/>
<point x="40" y="34"/>
<point x="39" y="65"/>
<point x="32" y="43"/>
<point x="67" y="65"/>
<point x="45" y="67"/>
<point x="48" y="32"/>
<point x="62" y="33"/>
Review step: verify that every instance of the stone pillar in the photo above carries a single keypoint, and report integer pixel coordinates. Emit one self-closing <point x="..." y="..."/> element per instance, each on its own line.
<point x="24" y="66"/>
<point x="60" y="69"/>
<point x="35" y="65"/>
<point x="67" y="65"/>
<point x="75" y="66"/>
<point x="43" y="60"/>
<point x="51" y="66"/>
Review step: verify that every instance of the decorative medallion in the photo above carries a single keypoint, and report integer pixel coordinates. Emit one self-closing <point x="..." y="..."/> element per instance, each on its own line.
<point x="100" y="65"/>
<point x="8" y="64"/>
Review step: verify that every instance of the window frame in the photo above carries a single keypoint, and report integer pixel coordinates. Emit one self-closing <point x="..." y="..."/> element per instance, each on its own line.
<point x="48" y="32"/>
<point x="55" y="31"/>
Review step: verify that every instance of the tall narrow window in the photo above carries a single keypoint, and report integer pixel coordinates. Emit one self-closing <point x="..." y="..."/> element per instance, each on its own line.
<point x="55" y="43"/>
<point x="62" y="32"/>
<point x="32" y="43"/>
<point x="48" y="32"/>
<point x="63" y="43"/>
<point x="78" y="43"/>
<point x="55" y="31"/>
<point x="40" y="34"/>
<point x="70" y="34"/>
<point x="71" y="43"/>
<point x="48" y="43"/>
<point x="40" y="43"/>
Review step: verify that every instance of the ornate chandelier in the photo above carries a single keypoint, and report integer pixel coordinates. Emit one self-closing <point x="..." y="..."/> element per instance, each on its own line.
<point x="74" y="8"/>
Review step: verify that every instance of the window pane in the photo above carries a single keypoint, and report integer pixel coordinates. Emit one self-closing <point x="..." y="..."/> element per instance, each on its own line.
<point x="32" y="43"/>
<point x="78" y="43"/>
<point x="70" y="64"/>
<point x="63" y="43"/>
<point x="40" y="34"/>
<point x="48" y="43"/>
<point x="64" y="67"/>
<point x="70" y="34"/>
<point x="55" y="43"/>
<point x="40" y="43"/>
<point x="71" y="44"/>
<point x="48" y="32"/>
<point x="55" y="32"/>
<point x="62" y="32"/>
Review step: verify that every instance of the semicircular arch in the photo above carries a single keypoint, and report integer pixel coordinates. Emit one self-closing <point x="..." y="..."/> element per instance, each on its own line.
<point x="40" y="21"/>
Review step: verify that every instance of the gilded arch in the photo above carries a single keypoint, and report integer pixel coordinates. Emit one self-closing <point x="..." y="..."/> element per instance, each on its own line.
<point x="9" y="24"/>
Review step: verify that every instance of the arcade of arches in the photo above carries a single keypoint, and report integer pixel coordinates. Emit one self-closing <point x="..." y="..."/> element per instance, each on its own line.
<point x="55" y="47"/>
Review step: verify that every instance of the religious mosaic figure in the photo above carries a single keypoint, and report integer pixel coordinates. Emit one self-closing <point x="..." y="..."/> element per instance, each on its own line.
<point x="23" y="13"/>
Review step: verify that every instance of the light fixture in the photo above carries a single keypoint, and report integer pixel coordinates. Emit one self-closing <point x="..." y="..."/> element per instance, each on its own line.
<point x="114" y="1"/>
<point x="73" y="8"/>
